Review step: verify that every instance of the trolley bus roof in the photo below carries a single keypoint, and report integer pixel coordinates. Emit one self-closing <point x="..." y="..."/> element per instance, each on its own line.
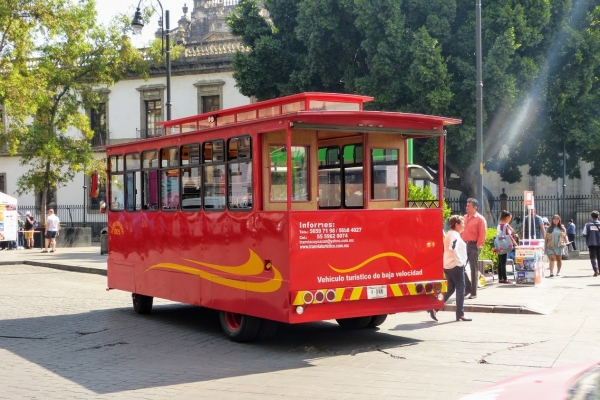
<point x="315" y="111"/>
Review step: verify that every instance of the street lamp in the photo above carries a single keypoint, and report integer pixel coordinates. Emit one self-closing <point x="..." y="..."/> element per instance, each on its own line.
<point x="137" y="24"/>
<point x="479" y="105"/>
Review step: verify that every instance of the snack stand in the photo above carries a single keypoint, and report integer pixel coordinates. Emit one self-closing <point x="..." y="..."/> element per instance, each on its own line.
<point x="530" y="256"/>
<point x="8" y="218"/>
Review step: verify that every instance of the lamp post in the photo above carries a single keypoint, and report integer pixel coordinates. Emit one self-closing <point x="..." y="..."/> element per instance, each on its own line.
<point x="84" y="197"/>
<point x="137" y="24"/>
<point x="479" y="106"/>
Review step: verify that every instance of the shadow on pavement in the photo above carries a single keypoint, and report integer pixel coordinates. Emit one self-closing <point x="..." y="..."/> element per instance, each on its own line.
<point x="115" y="350"/>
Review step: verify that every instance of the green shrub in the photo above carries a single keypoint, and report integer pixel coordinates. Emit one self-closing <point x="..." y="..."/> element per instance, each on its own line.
<point x="487" y="251"/>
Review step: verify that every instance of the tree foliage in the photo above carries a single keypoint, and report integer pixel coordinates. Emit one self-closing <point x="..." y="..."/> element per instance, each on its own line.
<point x="541" y="66"/>
<point x="65" y="58"/>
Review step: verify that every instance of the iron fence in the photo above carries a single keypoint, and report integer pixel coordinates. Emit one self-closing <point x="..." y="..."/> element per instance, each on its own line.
<point x="75" y="216"/>
<point x="577" y="208"/>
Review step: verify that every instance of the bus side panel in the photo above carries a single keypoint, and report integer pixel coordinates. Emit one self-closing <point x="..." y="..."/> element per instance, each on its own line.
<point x="230" y="261"/>
<point x="268" y="292"/>
<point x="340" y="251"/>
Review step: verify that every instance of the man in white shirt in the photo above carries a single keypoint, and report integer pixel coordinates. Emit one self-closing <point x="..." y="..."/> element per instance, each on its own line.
<point x="52" y="228"/>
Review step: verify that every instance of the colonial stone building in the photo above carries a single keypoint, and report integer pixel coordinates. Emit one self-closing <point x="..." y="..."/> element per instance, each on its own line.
<point x="201" y="81"/>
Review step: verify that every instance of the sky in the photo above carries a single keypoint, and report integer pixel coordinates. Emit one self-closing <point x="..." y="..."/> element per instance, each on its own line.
<point x="107" y="9"/>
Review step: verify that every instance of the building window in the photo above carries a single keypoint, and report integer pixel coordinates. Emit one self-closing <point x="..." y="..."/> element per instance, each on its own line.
<point x="98" y="124"/>
<point x="153" y="116"/>
<point x="3" y="126"/>
<point x="98" y="115"/>
<point x="152" y="98"/>
<point x="210" y="103"/>
<point x="3" y="182"/>
<point x="210" y="95"/>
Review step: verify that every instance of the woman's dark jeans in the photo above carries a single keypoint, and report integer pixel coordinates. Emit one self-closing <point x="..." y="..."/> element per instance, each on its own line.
<point x="456" y="282"/>
<point x="502" y="267"/>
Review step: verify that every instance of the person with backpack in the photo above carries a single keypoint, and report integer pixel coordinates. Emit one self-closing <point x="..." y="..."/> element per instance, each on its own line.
<point x="506" y="230"/>
<point x="591" y="231"/>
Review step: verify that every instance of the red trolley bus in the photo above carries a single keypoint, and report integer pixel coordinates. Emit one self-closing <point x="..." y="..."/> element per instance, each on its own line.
<point x="289" y="210"/>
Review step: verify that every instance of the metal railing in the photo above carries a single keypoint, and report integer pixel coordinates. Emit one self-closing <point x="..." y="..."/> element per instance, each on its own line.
<point x="75" y="216"/>
<point x="577" y="208"/>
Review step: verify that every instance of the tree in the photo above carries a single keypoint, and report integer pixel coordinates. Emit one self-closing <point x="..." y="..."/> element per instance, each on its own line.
<point x="540" y="72"/>
<point x="72" y="57"/>
<point x="21" y="22"/>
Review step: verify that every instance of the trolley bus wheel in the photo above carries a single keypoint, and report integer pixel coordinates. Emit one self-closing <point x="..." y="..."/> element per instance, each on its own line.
<point x="354" y="323"/>
<point x="239" y="327"/>
<point x="377" y="320"/>
<point x="142" y="304"/>
<point x="267" y="330"/>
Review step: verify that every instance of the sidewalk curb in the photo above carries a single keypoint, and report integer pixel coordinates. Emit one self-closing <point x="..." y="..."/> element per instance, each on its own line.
<point x="499" y="309"/>
<point x="71" y="268"/>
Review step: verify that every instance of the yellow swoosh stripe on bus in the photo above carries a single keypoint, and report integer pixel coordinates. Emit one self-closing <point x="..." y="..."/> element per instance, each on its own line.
<point x="253" y="266"/>
<point x="375" y="257"/>
<point x="269" y="286"/>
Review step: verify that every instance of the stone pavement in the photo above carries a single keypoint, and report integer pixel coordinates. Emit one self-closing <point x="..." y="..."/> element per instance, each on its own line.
<point x="76" y="259"/>
<point x="492" y="298"/>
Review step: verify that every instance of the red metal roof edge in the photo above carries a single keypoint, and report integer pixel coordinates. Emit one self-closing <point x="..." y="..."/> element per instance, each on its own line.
<point x="343" y="97"/>
<point x="383" y="115"/>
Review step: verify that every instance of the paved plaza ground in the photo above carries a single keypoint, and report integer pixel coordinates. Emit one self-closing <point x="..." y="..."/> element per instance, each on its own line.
<point x="62" y="335"/>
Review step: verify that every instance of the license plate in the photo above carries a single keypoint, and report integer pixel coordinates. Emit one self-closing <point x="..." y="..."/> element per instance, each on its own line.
<point x="376" y="292"/>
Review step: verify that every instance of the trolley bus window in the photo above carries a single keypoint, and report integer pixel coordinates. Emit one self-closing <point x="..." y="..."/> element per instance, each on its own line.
<point x="150" y="180"/>
<point x="278" y="165"/>
<point x="384" y="174"/>
<point x="133" y="191"/>
<point x="191" y="178"/>
<point x="116" y="183"/>
<point x="329" y="177"/>
<point x="239" y="154"/>
<point x="169" y="183"/>
<point x="116" y="190"/>
<point x="214" y="175"/>
<point x="353" y="176"/>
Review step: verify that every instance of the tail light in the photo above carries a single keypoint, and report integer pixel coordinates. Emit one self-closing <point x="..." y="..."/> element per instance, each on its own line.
<point x="319" y="296"/>
<point x="419" y="287"/>
<point x="330" y="296"/>
<point x="308" y="298"/>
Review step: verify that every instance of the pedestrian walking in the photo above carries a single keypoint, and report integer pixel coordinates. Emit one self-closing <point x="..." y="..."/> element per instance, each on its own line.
<point x="571" y="230"/>
<point x="591" y="231"/>
<point x="455" y="259"/>
<point x="474" y="236"/>
<point x="556" y="240"/>
<point x="52" y="229"/>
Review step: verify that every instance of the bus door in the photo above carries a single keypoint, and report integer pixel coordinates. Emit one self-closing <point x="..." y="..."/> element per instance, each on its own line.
<point x="304" y="170"/>
<point x="341" y="183"/>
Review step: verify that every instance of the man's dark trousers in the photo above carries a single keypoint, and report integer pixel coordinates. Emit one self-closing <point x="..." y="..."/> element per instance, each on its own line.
<point x="473" y="257"/>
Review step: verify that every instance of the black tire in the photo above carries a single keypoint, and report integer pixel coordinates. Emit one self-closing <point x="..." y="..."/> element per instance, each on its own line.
<point x="377" y="320"/>
<point x="267" y="330"/>
<point x="354" y="323"/>
<point x="239" y="327"/>
<point x="142" y="304"/>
